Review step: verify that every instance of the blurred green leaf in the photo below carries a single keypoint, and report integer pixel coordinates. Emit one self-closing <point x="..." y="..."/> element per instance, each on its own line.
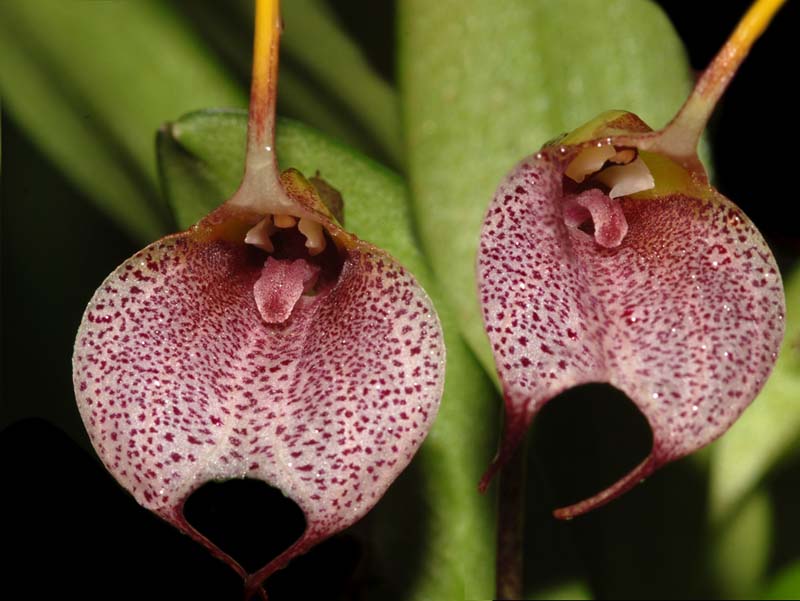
<point x="314" y="41"/>
<point x="52" y="260"/>
<point x="300" y="97"/>
<point x="741" y="548"/>
<point x="568" y="590"/>
<point x="768" y="429"/>
<point x="325" y="80"/>
<point x="201" y="161"/>
<point x="484" y="84"/>
<point x="90" y="81"/>
<point x="786" y="585"/>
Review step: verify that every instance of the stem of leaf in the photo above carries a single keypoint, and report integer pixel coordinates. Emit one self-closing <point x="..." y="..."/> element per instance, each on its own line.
<point x="510" y="523"/>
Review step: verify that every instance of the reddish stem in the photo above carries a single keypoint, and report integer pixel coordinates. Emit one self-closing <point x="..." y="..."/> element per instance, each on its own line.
<point x="261" y="190"/>
<point x="681" y="135"/>
<point x="510" y="525"/>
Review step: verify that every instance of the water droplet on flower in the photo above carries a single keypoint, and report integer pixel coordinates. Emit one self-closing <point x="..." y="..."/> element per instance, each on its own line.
<point x="717" y="255"/>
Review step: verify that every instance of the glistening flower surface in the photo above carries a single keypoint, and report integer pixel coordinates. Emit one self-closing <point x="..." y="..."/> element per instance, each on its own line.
<point x="180" y="380"/>
<point x="682" y="310"/>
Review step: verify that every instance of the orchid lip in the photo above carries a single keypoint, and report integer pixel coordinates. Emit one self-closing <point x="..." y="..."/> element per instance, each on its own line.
<point x="298" y="261"/>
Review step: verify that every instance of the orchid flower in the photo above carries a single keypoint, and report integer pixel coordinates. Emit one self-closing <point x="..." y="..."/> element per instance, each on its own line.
<point x="608" y="257"/>
<point x="264" y="342"/>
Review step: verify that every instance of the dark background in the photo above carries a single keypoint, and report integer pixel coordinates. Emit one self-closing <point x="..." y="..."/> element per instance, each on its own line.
<point x="70" y="530"/>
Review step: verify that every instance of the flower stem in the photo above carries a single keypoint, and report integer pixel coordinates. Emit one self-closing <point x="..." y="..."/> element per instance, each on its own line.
<point x="682" y="134"/>
<point x="510" y="524"/>
<point x="261" y="125"/>
<point x="261" y="191"/>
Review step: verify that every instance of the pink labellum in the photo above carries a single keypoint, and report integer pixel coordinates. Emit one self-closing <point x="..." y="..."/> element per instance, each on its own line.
<point x="605" y="214"/>
<point x="280" y="286"/>
<point x="669" y="294"/>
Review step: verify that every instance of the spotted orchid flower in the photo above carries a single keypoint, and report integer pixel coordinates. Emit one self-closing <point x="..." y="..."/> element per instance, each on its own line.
<point x="608" y="257"/>
<point x="264" y="342"/>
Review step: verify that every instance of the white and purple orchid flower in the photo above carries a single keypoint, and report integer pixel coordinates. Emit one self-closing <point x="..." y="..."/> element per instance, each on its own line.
<point x="608" y="257"/>
<point x="265" y="342"/>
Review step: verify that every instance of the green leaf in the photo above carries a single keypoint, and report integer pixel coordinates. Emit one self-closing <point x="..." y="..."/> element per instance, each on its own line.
<point x="786" y="584"/>
<point x="314" y="40"/>
<point x="52" y="261"/>
<point x="302" y="98"/>
<point x="484" y="84"/>
<point x="325" y="81"/>
<point x="769" y="429"/>
<point x="201" y="163"/>
<point x="577" y="591"/>
<point x="91" y="81"/>
<point x="741" y="548"/>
